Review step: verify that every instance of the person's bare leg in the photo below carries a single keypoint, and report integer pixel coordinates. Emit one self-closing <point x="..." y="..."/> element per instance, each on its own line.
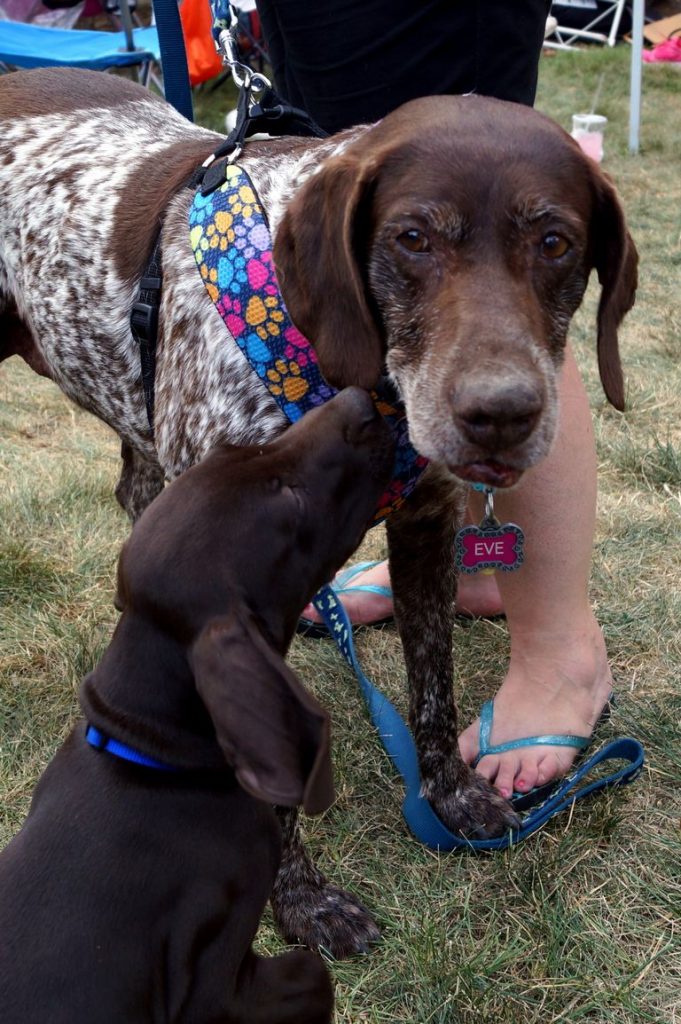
<point x="558" y="678"/>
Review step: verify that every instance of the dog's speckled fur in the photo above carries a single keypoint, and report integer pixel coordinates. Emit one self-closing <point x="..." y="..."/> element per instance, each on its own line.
<point x="426" y="243"/>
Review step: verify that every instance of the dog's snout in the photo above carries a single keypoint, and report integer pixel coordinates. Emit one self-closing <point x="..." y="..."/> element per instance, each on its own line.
<point x="497" y="416"/>
<point x="362" y="415"/>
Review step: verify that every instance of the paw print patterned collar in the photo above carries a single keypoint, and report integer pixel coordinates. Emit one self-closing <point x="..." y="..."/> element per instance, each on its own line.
<point x="233" y="250"/>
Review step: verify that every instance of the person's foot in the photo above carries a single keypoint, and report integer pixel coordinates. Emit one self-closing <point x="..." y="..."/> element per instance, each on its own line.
<point x="477" y="596"/>
<point x="556" y="684"/>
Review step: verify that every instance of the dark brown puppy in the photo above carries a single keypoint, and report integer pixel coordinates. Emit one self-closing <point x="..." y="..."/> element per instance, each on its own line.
<point x="132" y="894"/>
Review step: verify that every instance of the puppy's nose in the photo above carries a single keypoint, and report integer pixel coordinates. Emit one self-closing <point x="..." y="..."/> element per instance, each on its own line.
<point x="361" y="413"/>
<point x="497" y="416"/>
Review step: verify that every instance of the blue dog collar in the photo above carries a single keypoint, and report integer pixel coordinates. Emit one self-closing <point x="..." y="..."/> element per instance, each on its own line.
<point x="100" y="741"/>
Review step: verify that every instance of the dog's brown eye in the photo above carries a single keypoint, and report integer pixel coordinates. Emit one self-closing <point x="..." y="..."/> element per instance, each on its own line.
<point x="414" y="240"/>
<point x="554" y="246"/>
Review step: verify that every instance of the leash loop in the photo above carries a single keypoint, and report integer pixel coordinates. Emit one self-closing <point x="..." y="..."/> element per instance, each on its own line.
<point x="398" y="743"/>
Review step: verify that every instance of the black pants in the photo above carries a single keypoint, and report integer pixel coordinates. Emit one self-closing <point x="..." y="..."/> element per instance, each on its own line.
<point x="352" y="61"/>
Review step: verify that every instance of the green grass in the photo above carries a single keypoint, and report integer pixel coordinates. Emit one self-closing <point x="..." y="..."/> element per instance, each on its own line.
<point x="581" y="923"/>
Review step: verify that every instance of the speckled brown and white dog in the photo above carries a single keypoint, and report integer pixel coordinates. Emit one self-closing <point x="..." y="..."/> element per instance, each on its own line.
<point x="451" y="243"/>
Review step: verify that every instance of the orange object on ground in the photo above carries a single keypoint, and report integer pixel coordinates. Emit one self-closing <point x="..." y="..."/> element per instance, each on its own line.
<point x="202" y="58"/>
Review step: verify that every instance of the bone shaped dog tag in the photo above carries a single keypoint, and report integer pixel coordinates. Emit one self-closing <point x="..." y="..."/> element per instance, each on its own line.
<point x="489" y="546"/>
<point x="483" y="547"/>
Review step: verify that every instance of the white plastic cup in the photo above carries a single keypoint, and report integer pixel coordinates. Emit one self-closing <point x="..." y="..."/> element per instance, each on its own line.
<point x="588" y="131"/>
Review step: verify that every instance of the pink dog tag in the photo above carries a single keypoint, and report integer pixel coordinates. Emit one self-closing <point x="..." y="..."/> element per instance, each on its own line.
<point x="491" y="545"/>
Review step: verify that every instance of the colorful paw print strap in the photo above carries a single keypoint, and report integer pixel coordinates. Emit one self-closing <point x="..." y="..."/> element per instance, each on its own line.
<point x="233" y="250"/>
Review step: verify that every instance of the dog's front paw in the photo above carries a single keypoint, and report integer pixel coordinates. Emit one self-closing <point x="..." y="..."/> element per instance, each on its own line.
<point x="472" y="807"/>
<point x="322" y="916"/>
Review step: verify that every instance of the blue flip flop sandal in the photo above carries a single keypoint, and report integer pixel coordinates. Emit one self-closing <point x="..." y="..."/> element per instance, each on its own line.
<point x="521" y="801"/>
<point x="317" y="630"/>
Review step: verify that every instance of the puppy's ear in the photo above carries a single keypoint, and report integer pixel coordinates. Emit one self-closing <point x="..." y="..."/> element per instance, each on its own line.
<point x="615" y="258"/>
<point x="320" y="254"/>
<point x="271" y="730"/>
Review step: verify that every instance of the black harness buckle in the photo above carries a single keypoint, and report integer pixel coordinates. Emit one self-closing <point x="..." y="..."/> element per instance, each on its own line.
<point x="144" y="321"/>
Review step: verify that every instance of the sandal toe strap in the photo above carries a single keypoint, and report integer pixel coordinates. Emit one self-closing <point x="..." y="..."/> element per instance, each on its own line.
<point x="549" y="740"/>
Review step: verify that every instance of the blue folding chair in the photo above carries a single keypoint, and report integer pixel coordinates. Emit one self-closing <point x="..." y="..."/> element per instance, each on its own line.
<point x="25" y="45"/>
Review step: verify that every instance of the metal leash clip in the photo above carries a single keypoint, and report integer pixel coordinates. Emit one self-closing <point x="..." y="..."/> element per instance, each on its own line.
<point x="260" y="110"/>
<point x="251" y="84"/>
<point x="228" y="46"/>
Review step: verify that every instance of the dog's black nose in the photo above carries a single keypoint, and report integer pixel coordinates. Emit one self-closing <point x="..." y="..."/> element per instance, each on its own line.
<point x="497" y="415"/>
<point x="361" y="415"/>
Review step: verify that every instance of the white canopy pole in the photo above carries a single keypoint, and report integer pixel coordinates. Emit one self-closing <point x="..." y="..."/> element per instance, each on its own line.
<point x="636" y="76"/>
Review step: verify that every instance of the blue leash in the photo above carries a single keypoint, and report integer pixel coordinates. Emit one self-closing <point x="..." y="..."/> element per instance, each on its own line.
<point x="399" y="744"/>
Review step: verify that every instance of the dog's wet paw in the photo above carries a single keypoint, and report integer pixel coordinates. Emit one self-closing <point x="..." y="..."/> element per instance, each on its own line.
<point x="324" y="917"/>
<point x="473" y="808"/>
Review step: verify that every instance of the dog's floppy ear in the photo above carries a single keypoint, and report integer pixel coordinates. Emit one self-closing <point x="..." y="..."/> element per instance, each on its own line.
<point x="271" y="730"/>
<point x="320" y="254"/>
<point x="615" y="258"/>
